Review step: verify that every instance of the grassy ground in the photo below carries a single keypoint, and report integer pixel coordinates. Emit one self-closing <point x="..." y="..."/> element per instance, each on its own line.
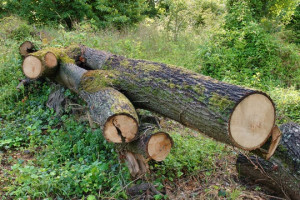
<point x="60" y="157"/>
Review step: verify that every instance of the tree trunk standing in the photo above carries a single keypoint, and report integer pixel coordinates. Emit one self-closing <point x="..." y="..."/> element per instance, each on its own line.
<point x="282" y="172"/>
<point x="227" y="113"/>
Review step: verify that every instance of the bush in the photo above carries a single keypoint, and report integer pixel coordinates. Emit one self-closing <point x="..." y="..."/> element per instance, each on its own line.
<point x="103" y="12"/>
<point x="180" y="16"/>
<point x="279" y="10"/>
<point x="14" y="28"/>
<point x="245" y="52"/>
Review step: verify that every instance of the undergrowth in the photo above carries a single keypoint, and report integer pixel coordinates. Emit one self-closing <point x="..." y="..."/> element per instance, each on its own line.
<point x="72" y="161"/>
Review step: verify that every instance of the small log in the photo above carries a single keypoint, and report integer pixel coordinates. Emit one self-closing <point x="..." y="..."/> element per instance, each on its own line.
<point x="152" y="143"/>
<point x="231" y="114"/>
<point x="39" y="64"/>
<point x="282" y="172"/>
<point x="26" y="48"/>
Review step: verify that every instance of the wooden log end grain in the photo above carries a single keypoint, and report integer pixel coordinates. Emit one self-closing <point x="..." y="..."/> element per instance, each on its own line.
<point x="252" y="121"/>
<point x="32" y="67"/>
<point x="159" y="146"/>
<point x="120" y="128"/>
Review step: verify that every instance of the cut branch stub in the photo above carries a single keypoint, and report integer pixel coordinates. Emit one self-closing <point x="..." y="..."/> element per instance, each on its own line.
<point x="26" y="48"/>
<point x="35" y="66"/>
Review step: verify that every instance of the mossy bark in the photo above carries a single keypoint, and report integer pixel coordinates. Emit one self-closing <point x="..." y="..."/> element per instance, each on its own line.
<point x="282" y="172"/>
<point x="192" y="99"/>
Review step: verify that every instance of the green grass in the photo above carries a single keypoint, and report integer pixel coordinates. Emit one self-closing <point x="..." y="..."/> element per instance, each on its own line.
<point x="72" y="161"/>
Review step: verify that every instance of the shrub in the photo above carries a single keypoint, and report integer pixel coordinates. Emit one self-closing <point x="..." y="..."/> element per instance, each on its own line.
<point x="103" y="12"/>
<point x="14" y="28"/>
<point x="245" y="52"/>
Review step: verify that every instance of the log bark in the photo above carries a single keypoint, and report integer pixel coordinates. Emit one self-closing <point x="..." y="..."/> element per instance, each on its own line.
<point x="282" y="172"/>
<point x="231" y="114"/>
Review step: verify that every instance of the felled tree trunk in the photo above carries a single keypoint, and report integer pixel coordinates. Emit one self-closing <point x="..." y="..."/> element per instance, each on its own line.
<point x="111" y="110"/>
<point x="231" y="114"/>
<point x="108" y="107"/>
<point x="282" y="172"/>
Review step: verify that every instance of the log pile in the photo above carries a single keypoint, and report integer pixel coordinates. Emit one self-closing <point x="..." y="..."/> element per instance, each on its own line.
<point x="113" y="86"/>
<point x="136" y="142"/>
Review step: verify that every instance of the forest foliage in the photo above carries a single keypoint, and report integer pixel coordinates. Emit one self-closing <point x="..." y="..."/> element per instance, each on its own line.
<point x="253" y="43"/>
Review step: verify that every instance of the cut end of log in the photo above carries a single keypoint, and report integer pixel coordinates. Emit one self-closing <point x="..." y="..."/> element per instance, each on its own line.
<point x="120" y="128"/>
<point x="159" y="146"/>
<point x="26" y="48"/>
<point x="32" y="67"/>
<point x="50" y="60"/>
<point x="252" y="121"/>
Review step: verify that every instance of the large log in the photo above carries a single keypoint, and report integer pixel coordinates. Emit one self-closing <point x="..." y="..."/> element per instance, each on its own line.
<point x="282" y="172"/>
<point x="231" y="114"/>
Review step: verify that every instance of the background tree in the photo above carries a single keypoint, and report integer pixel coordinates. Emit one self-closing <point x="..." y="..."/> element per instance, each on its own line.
<point x="103" y="13"/>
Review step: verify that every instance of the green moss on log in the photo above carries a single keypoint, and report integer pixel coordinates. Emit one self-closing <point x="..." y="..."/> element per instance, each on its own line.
<point x="93" y="81"/>
<point x="73" y="51"/>
<point x="220" y="103"/>
<point x="60" y="54"/>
